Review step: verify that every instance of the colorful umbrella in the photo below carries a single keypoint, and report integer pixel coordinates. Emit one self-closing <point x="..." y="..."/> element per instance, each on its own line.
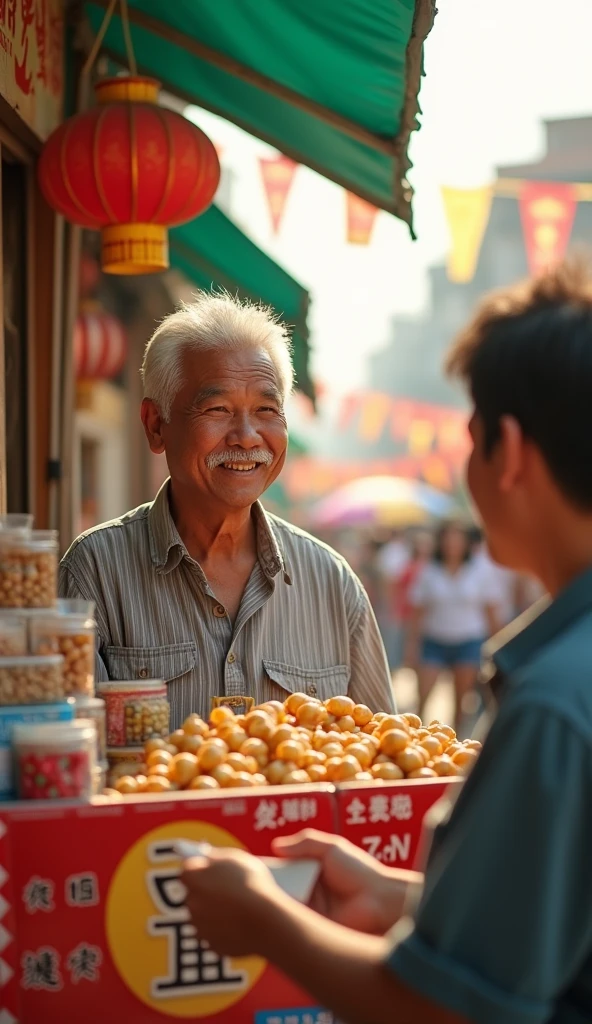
<point x="382" y="501"/>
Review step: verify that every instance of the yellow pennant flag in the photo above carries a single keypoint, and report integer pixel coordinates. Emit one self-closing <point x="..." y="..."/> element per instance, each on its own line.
<point x="375" y="410"/>
<point x="467" y="213"/>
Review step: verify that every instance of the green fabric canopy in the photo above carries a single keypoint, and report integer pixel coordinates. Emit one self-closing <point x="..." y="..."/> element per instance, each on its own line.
<point x="331" y="83"/>
<point x="212" y="252"/>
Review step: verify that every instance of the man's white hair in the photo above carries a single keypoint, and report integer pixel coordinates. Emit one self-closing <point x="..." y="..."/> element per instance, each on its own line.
<point x="213" y="321"/>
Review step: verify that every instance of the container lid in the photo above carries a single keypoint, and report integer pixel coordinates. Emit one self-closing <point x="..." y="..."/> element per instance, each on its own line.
<point x="54" y="620"/>
<point x="130" y="685"/>
<point x="121" y="753"/>
<point x="67" y="734"/>
<point x="91" y="703"/>
<point x="75" y="606"/>
<point x="16" y="521"/>
<point x="32" y="661"/>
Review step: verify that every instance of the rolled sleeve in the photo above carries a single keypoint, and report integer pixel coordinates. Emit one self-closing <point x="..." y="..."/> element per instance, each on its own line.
<point x="505" y="924"/>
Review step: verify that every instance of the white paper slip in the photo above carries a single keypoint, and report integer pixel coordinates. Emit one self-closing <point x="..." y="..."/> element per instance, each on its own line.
<point x="297" y="878"/>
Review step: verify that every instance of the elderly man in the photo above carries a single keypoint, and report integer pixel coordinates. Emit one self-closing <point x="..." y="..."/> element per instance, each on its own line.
<point x="202" y="587"/>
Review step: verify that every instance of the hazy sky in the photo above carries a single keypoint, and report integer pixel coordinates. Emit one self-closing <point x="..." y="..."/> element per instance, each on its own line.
<point x="494" y="71"/>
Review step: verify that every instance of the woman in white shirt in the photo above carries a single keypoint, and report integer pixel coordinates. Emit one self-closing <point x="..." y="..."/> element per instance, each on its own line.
<point x="455" y="602"/>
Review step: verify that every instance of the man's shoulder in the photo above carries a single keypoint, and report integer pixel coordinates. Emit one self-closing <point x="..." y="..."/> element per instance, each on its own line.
<point x="110" y="535"/>
<point x="303" y="547"/>
<point x="558" y="675"/>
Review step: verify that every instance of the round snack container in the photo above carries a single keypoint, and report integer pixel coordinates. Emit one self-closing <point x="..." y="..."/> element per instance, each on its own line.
<point x="124" y="761"/>
<point x="31" y="680"/>
<point x="136" y="711"/>
<point x="13" y="635"/>
<point x="39" y="559"/>
<point x="55" y="760"/>
<point x="73" y="635"/>
<point x="95" y="709"/>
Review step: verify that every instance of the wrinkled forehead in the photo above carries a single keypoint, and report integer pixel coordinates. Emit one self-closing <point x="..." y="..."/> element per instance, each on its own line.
<point x="222" y="371"/>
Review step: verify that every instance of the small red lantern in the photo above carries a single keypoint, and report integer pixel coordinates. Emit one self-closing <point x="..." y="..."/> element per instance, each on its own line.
<point x="131" y="169"/>
<point x="100" y="345"/>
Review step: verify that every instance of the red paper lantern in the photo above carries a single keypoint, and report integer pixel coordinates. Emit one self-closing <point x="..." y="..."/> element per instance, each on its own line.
<point x="100" y="346"/>
<point x="131" y="169"/>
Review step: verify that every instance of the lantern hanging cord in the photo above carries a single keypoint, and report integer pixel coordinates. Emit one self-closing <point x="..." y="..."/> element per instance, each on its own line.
<point x="127" y="36"/>
<point x="131" y="57"/>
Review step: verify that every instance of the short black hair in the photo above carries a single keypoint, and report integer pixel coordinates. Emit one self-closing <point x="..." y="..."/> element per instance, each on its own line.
<point x="444" y="528"/>
<point x="527" y="353"/>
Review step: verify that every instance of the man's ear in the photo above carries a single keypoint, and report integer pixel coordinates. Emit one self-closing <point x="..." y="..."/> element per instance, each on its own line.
<point x="152" y="422"/>
<point x="511" y="453"/>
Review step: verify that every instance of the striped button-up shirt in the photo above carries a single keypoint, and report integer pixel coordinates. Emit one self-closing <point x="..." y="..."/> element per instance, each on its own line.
<point x="304" y="622"/>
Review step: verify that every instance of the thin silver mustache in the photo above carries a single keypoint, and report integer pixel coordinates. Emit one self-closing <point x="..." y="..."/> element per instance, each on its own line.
<point x="256" y="455"/>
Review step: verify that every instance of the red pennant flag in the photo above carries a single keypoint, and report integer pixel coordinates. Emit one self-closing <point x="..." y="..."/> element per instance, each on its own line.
<point x="547" y="210"/>
<point x="278" y="174"/>
<point x="361" y="217"/>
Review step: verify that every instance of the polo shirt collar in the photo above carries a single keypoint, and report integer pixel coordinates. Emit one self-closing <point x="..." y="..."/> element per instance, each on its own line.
<point x="168" y="550"/>
<point x="540" y="625"/>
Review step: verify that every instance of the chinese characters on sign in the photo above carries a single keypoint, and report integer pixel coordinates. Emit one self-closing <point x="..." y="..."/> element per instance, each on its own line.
<point x="192" y="966"/>
<point x="380" y="808"/>
<point x="41" y="969"/>
<point x="31" y="61"/>
<point x="271" y="814"/>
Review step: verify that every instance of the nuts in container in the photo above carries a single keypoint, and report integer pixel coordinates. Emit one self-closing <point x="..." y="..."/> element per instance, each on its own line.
<point x="13" y="635"/>
<point x="69" y="631"/>
<point x="136" y="712"/>
<point x="31" y="680"/>
<point x="28" y="568"/>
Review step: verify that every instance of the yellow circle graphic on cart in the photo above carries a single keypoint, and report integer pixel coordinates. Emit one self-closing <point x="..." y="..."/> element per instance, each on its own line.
<point x="156" y="951"/>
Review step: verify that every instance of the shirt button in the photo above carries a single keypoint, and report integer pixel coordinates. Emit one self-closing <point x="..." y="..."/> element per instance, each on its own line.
<point x="143" y="673"/>
<point x="231" y="658"/>
<point x="311" y="690"/>
<point x="219" y="611"/>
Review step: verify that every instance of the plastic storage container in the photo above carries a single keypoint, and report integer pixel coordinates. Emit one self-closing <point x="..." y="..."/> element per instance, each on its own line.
<point x="55" y="760"/>
<point x="70" y="631"/>
<point x="29" y="714"/>
<point x="31" y="680"/>
<point x="28" y="568"/>
<point x="135" y="711"/>
<point x="13" y="635"/>
<point x="95" y="709"/>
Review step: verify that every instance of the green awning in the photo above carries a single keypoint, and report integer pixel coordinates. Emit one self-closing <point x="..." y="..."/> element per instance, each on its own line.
<point x="212" y="252"/>
<point x="331" y="83"/>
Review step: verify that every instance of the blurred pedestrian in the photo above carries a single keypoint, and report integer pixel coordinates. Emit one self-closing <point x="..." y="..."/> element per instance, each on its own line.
<point x="393" y="560"/>
<point x="455" y="601"/>
<point x="422" y="550"/>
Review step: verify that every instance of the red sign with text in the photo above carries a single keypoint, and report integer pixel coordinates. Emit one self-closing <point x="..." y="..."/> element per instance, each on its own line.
<point x="386" y="820"/>
<point x="92" y="921"/>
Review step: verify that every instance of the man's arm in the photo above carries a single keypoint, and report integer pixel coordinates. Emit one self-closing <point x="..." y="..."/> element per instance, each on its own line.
<point x="370" y="679"/>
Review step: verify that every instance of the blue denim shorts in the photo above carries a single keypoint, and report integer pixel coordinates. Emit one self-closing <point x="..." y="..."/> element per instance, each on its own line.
<point x="468" y="652"/>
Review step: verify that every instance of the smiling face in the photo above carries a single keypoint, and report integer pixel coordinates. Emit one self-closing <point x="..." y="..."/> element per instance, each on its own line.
<point x="226" y="438"/>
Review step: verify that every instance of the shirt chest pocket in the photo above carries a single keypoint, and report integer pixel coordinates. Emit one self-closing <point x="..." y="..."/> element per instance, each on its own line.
<point x="168" y="662"/>
<point x="321" y="683"/>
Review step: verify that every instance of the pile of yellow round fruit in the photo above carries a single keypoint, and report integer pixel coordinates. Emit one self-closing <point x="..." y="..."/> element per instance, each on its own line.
<point x="300" y="741"/>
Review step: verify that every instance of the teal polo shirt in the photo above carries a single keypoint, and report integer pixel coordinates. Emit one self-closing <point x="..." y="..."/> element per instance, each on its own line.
<point x="503" y="934"/>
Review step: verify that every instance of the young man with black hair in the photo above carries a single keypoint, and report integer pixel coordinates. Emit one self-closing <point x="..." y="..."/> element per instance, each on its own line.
<point x="503" y="932"/>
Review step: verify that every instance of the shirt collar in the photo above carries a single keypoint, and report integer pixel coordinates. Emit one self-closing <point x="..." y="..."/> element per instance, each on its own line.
<point x="167" y="549"/>
<point x="540" y="625"/>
